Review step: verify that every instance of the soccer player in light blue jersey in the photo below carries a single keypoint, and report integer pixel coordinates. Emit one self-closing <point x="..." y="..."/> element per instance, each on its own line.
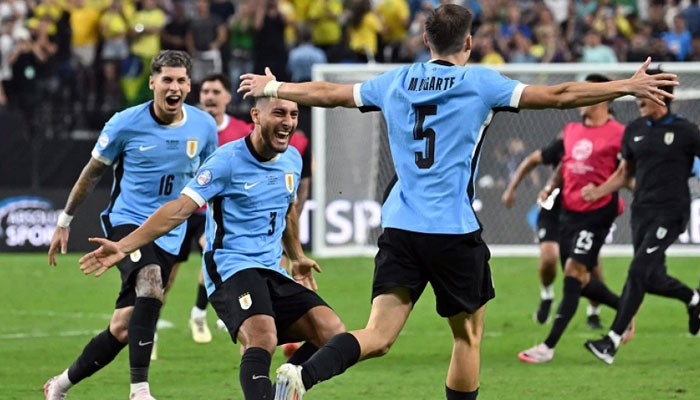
<point x="154" y="149"/>
<point x="437" y="115"/>
<point x="249" y="186"/>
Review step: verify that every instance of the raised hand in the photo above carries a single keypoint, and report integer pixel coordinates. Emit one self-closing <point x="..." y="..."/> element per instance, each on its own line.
<point x="588" y="192"/>
<point x="302" y="272"/>
<point x="253" y="85"/>
<point x="647" y="86"/>
<point x="59" y="239"/>
<point x="102" y="259"/>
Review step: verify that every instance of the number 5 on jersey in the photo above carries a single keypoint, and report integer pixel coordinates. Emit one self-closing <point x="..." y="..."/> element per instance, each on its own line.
<point x="425" y="160"/>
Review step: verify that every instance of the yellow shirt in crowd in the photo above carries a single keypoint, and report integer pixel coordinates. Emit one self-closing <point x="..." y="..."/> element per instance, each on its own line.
<point x="148" y="45"/>
<point x="363" y="38"/>
<point x="324" y="14"/>
<point x="395" y="14"/>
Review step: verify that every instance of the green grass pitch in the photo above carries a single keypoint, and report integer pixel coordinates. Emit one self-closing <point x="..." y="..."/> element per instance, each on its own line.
<point x="48" y="314"/>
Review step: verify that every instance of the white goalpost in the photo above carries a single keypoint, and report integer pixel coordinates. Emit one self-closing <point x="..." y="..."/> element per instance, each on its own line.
<point x="352" y="163"/>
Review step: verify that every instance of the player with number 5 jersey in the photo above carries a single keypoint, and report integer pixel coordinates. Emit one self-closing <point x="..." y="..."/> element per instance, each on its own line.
<point x="437" y="114"/>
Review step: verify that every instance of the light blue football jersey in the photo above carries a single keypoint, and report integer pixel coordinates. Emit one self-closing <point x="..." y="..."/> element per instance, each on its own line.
<point x="437" y="115"/>
<point x="247" y="201"/>
<point x="152" y="163"/>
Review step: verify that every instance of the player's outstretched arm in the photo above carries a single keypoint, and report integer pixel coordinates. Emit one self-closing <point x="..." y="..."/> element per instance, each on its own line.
<point x="527" y="165"/>
<point x="319" y="94"/>
<point x="555" y="180"/>
<point x="167" y="217"/>
<point x="91" y="174"/>
<point x="302" y="266"/>
<point x="622" y="177"/>
<point x="577" y="94"/>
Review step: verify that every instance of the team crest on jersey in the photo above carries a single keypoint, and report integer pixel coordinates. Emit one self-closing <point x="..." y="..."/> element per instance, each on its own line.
<point x="289" y="181"/>
<point x="103" y="140"/>
<point x="582" y="150"/>
<point x="661" y="233"/>
<point x="135" y="256"/>
<point x="245" y="300"/>
<point x="192" y="146"/>
<point x="668" y="138"/>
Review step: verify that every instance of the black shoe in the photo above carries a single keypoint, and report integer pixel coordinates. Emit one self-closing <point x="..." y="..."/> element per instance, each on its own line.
<point x="694" y="318"/>
<point x="542" y="313"/>
<point x="604" y="349"/>
<point x="594" y="322"/>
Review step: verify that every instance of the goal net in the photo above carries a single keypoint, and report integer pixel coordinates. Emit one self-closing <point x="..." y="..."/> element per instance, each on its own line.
<point x="353" y="163"/>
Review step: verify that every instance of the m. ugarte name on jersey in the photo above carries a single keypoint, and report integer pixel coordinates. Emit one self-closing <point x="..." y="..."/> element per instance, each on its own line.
<point x="431" y="83"/>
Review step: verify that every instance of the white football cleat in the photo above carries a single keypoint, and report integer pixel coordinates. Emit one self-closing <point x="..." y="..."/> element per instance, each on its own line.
<point x="53" y="391"/>
<point x="537" y="355"/>
<point x="200" y="330"/>
<point x="142" y="394"/>
<point x="289" y="385"/>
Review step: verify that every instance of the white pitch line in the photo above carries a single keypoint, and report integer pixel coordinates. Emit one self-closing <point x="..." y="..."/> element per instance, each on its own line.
<point x="36" y="335"/>
<point x="60" y="314"/>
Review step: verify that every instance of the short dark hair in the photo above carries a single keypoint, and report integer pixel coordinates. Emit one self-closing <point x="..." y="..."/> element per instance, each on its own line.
<point x="171" y="58"/>
<point x="597" y="78"/>
<point x="446" y="27"/>
<point x="225" y="81"/>
<point x="668" y="89"/>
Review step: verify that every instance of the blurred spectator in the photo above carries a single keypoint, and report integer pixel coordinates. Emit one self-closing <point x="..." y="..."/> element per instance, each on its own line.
<point x="594" y="51"/>
<point x="363" y="30"/>
<point x="240" y="45"/>
<point x="222" y="9"/>
<point x="325" y="25"/>
<point x="559" y="9"/>
<point x="659" y="52"/>
<point x="394" y="14"/>
<point x="639" y="49"/>
<point x="205" y="36"/>
<point x="146" y="26"/>
<point x="550" y="48"/>
<point x="692" y="17"/>
<point x="303" y="57"/>
<point x="521" y="49"/>
<point x="115" y="48"/>
<point x="695" y="49"/>
<point x="269" y="49"/>
<point x="16" y="9"/>
<point x="174" y="33"/>
<point x="678" y="39"/>
<point x="513" y="24"/>
<point x="84" y="23"/>
<point x="656" y="20"/>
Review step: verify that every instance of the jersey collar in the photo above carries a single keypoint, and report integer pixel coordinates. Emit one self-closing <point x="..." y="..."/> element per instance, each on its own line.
<point x="152" y="110"/>
<point x="441" y="62"/>
<point x="224" y="123"/>
<point x="251" y="149"/>
<point x="665" y="120"/>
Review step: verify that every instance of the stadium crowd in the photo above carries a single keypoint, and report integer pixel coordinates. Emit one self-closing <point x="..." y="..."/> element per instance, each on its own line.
<point x="80" y="60"/>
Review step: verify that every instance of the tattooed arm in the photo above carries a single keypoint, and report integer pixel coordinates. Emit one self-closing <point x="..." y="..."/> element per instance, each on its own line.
<point x="91" y="174"/>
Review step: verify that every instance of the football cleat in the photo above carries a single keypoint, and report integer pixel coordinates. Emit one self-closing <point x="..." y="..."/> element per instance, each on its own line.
<point x="694" y="318"/>
<point x="541" y="316"/>
<point x="200" y="330"/>
<point x="593" y="322"/>
<point x="143" y="394"/>
<point x="52" y="390"/>
<point x="289" y="385"/>
<point x="537" y="355"/>
<point x="604" y="349"/>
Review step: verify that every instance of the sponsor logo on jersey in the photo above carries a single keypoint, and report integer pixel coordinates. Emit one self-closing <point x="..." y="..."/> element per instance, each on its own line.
<point x="582" y="150"/>
<point x="135" y="256"/>
<point x="668" y="138"/>
<point x="661" y="233"/>
<point x="192" y="146"/>
<point x="245" y="300"/>
<point x="204" y="177"/>
<point x="103" y="140"/>
<point x="289" y="181"/>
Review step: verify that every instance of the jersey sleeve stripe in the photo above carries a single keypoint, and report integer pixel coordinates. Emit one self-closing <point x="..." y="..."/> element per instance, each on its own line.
<point x="99" y="157"/>
<point x="194" y="196"/>
<point x="356" y="95"/>
<point x="517" y="92"/>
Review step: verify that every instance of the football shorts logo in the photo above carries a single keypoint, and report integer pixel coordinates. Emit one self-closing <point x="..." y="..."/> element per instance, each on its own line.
<point x="668" y="138"/>
<point x="289" y="181"/>
<point x="204" y="177"/>
<point x="192" y="146"/>
<point x="135" y="256"/>
<point x="541" y="233"/>
<point x="103" y="140"/>
<point x="582" y="150"/>
<point x="661" y="233"/>
<point x="245" y="300"/>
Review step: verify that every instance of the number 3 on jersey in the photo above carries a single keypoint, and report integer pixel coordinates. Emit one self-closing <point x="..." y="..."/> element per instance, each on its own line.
<point x="425" y="160"/>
